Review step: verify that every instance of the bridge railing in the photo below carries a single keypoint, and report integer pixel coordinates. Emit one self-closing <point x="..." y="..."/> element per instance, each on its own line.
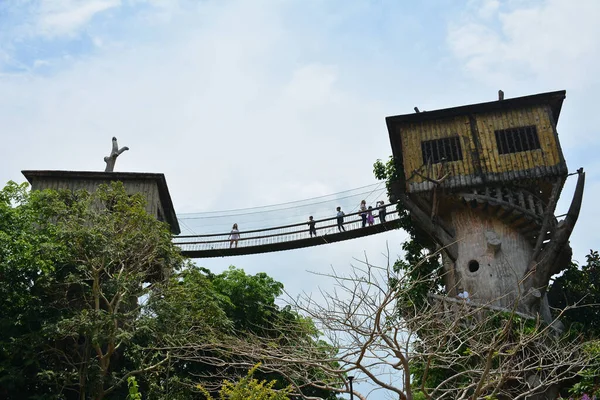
<point x="279" y="234"/>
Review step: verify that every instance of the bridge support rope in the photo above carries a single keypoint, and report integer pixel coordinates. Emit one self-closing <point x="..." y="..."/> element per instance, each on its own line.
<point x="284" y="237"/>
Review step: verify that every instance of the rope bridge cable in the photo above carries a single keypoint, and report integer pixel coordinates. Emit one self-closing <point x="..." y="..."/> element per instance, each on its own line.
<point x="280" y="214"/>
<point x="279" y="209"/>
<point x="366" y="187"/>
<point x="285" y="237"/>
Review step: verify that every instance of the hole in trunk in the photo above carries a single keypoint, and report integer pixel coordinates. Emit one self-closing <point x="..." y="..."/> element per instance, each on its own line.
<point x="473" y="266"/>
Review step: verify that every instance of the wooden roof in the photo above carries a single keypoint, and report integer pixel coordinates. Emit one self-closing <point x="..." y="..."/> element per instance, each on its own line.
<point x="553" y="99"/>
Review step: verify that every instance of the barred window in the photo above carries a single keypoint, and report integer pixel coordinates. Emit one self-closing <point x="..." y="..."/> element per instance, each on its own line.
<point x="515" y="140"/>
<point x="446" y="149"/>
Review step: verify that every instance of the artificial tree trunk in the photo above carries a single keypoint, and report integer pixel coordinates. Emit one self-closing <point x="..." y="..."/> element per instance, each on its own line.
<point x="112" y="158"/>
<point x="501" y="251"/>
<point x="501" y="246"/>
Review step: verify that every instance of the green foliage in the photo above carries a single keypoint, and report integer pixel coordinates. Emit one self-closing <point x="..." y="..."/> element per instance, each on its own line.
<point x="589" y="384"/>
<point x="134" y="393"/>
<point x="72" y="266"/>
<point x="419" y="249"/>
<point x="579" y="286"/>
<point x="201" y="307"/>
<point x="418" y="395"/>
<point x="22" y="269"/>
<point x="98" y="303"/>
<point x="252" y="309"/>
<point x="249" y="388"/>
<point x="251" y="299"/>
<point x="190" y="301"/>
<point x="576" y="286"/>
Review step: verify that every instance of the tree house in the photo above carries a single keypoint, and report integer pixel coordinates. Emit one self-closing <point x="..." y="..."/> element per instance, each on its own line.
<point x="152" y="186"/>
<point x="483" y="181"/>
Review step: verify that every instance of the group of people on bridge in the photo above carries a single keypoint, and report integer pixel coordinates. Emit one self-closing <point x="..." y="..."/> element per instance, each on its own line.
<point x="366" y="214"/>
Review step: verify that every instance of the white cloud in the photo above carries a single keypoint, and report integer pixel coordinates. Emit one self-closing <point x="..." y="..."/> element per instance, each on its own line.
<point x="66" y="17"/>
<point x="41" y="63"/>
<point x="536" y="46"/>
<point x="551" y="40"/>
<point x="486" y="8"/>
<point x="213" y="104"/>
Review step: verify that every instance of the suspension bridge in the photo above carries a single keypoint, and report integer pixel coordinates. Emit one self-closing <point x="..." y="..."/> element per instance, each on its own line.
<point x="285" y="226"/>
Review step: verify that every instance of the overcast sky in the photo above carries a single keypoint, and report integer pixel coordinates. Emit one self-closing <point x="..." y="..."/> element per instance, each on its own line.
<point x="250" y="103"/>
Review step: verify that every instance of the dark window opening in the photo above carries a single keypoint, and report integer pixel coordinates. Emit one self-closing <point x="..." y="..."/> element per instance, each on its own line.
<point x="515" y="140"/>
<point x="446" y="149"/>
<point x="473" y="266"/>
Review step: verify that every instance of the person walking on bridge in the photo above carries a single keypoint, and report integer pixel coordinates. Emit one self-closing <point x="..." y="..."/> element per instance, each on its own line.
<point x="382" y="211"/>
<point x="312" y="230"/>
<point x="340" y="219"/>
<point x="234" y="236"/>
<point x="370" y="218"/>
<point x="363" y="212"/>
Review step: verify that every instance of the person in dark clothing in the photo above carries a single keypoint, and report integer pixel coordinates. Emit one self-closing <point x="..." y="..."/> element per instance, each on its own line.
<point x="340" y="219"/>
<point x="312" y="230"/>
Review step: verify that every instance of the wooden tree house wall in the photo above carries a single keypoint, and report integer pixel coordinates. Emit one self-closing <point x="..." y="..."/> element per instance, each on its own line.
<point x="483" y="180"/>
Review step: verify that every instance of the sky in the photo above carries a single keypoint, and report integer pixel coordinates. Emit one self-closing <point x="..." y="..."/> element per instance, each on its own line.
<point x="252" y="103"/>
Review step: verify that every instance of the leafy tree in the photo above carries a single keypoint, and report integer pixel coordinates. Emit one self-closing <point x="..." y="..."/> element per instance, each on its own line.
<point x="418" y="249"/>
<point x="73" y="267"/>
<point x="577" y="291"/>
<point x="181" y="317"/>
<point x="249" y="388"/>
<point x="96" y="298"/>
<point x="134" y="393"/>
<point x="29" y="257"/>
<point x="576" y="287"/>
<point x="209" y="324"/>
<point x="579" y="286"/>
<point x="251" y="298"/>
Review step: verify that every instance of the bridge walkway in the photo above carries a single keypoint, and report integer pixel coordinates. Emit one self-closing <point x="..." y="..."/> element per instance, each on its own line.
<point x="286" y="237"/>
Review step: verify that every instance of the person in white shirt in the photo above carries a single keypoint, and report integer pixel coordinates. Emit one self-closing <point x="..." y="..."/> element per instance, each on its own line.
<point x="463" y="294"/>
<point x="363" y="212"/>
<point x="234" y="236"/>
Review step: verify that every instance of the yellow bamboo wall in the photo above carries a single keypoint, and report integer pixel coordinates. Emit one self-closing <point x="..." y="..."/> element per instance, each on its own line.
<point x="545" y="161"/>
<point x="493" y="162"/>
<point x="415" y="133"/>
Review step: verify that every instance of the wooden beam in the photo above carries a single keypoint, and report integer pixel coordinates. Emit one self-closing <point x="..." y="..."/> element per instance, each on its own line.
<point x="548" y="216"/>
<point x="425" y="222"/>
<point x="556" y="251"/>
